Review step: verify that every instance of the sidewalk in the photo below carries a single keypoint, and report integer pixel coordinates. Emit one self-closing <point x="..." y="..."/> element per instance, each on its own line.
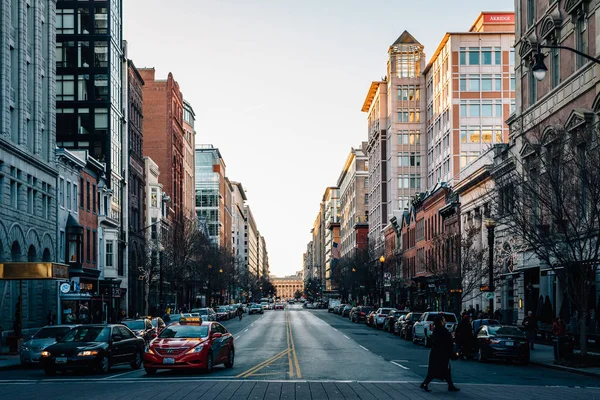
<point x="9" y="361"/>
<point x="543" y="355"/>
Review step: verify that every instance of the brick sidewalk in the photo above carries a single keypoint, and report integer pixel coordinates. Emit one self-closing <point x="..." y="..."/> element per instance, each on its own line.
<point x="543" y="355"/>
<point x="243" y="390"/>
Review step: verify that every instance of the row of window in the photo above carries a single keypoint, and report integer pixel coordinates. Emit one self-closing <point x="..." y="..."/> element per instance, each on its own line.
<point x="409" y="159"/>
<point x="484" y="56"/>
<point x="467" y="157"/>
<point x="481" y="108"/>
<point x="82" y="20"/>
<point x="22" y="185"/>
<point x="409" y="137"/>
<point x="481" y="134"/>
<point x="409" y="181"/>
<point x="407" y="116"/>
<point x="483" y="82"/>
<point x="408" y="93"/>
<point x="89" y="87"/>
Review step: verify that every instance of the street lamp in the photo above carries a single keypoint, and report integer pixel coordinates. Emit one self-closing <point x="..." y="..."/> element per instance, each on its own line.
<point x="381" y="262"/>
<point x="490" y="224"/>
<point x="539" y="69"/>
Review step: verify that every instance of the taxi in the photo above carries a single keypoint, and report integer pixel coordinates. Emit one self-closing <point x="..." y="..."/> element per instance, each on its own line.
<point x="190" y="344"/>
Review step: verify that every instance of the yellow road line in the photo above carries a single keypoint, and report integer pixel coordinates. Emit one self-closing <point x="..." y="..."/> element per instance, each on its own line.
<point x="287" y="334"/>
<point x="298" y="372"/>
<point x="263" y="364"/>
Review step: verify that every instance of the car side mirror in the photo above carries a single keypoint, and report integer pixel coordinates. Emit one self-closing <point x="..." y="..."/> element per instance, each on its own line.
<point x="117" y="338"/>
<point x="216" y="335"/>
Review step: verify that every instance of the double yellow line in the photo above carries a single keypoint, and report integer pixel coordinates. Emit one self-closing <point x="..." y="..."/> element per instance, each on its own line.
<point x="294" y="366"/>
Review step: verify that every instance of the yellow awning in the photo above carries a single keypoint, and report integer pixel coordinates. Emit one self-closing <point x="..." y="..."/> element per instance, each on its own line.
<point x="33" y="270"/>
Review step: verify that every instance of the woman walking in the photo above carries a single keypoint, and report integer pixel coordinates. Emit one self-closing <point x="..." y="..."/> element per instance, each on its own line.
<point x="439" y="358"/>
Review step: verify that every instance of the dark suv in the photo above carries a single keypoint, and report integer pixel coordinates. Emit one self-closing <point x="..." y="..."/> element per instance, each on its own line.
<point x="360" y="313"/>
<point x="404" y="326"/>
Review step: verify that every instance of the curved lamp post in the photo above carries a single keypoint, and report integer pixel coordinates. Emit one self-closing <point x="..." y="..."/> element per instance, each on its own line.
<point x="539" y="69"/>
<point x="381" y="262"/>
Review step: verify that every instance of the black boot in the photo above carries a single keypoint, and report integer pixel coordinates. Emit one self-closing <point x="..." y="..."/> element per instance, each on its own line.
<point x="425" y="387"/>
<point x="452" y="388"/>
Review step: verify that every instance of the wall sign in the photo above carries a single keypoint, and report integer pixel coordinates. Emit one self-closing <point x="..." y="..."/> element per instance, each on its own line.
<point x="65" y="287"/>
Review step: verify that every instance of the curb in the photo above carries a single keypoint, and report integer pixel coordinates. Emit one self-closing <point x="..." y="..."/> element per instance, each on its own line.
<point x="566" y="369"/>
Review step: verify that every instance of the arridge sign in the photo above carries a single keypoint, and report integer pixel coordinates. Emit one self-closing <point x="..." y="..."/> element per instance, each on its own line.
<point x="499" y="18"/>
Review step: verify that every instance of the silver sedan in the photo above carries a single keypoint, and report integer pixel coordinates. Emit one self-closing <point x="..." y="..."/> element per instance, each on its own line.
<point x="48" y="335"/>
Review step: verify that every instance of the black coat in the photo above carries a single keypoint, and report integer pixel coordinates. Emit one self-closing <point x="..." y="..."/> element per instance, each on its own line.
<point x="464" y="332"/>
<point x="439" y="358"/>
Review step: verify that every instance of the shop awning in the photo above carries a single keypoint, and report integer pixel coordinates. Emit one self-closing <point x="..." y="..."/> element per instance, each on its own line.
<point x="32" y="270"/>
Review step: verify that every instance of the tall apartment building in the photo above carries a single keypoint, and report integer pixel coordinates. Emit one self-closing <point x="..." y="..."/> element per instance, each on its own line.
<point x="136" y="188"/>
<point x="164" y="139"/>
<point x="28" y="171"/>
<point x="331" y="218"/>
<point x="317" y="262"/>
<point x="90" y="108"/>
<point x="251" y="238"/>
<point x="354" y="201"/>
<point x="189" y="154"/>
<point x="470" y="85"/>
<point x="213" y="194"/>
<point x="263" y="257"/>
<point x="375" y="105"/>
<point x="238" y="223"/>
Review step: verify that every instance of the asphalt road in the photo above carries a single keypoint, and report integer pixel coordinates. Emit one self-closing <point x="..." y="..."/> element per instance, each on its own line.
<point x="298" y="345"/>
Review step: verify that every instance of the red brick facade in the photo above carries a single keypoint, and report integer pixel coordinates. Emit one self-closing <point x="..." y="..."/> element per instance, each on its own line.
<point x="88" y="218"/>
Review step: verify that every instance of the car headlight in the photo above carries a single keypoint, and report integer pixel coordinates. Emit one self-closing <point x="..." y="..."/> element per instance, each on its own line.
<point x="87" y="353"/>
<point x="45" y="353"/>
<point x="196" y="349"/>
<point x="148" y="350"/>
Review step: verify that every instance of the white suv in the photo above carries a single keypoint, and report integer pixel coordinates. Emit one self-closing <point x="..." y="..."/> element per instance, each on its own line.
<point x="423" y="328"/>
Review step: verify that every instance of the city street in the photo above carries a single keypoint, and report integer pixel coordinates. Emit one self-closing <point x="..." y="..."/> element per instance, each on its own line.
<point x="318" y="354"/>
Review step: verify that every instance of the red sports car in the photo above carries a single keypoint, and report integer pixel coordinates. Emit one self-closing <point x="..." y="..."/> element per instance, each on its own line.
<point x="190" y="343"/>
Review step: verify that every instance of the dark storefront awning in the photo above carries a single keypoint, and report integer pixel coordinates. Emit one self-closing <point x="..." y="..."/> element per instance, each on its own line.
<point x="73" y="225"/>
<point x="32" y="270"/>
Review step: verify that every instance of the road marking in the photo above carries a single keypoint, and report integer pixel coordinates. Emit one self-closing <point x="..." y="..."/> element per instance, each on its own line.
<point x="399" y="365"/>
<point x="346" y="337"/>
<point x="263" y="364"/>
<point x="363" y="347"/>
<point x="335" y="329"/>
<point x="121" y="374"/>
<point x="400" y="360"/>
<point x="246" y="330"/>
<point x="237" y="337"/>
<point x="424" y="366"/>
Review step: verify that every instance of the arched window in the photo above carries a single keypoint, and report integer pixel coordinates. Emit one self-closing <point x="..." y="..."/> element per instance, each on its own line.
<point x="46" y="257"/>
<point x="31" y="254"/>
<point x="15" y="251"/>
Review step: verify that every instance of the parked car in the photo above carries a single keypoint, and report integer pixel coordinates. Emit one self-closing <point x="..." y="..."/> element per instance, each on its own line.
<point x="346" y="311"/>
<point x="504" y="342"/>
<point x="336" y="308"/>
<point x="256" y="309"/>
<point x="478" y="323"/>
<point x="141" y="327"/>
<point x="190" y="344"/>
<point x="370" y="319"/>
<point x="360" y="313"/>
<point x="94" y="348"/>
<point x="423" y="328"/>
<point x="341" y="309"/>
<point x="47" y="336"/>
<point x="404" y="326"/>
<point x="206" y="313"/>
<point x="222" y="313"/>
<point x="390" y="320"/>
<point x="380" y="316"/>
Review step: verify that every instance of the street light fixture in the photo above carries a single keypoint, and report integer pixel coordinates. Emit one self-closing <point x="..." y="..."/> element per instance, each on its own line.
<point x="539" y="69"/>
<point x="490" y="224"/>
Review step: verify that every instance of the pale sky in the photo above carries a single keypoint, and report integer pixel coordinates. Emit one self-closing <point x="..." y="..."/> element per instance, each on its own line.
<point x="277" y="86"/>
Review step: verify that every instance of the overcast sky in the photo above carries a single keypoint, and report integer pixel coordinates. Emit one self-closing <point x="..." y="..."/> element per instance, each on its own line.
<point x="277" y="86"/>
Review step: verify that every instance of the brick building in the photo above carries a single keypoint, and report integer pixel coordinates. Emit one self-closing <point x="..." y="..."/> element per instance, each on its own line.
<point x="164" y="135"/>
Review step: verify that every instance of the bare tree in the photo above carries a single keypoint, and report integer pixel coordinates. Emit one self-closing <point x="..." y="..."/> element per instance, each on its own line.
<point x="550" y="199"/>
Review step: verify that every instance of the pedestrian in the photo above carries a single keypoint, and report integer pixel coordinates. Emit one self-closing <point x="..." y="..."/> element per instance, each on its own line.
<point x="51" y="318"/>
<point x="530" y="325"/>
<point x="464" y="336"/>
<point x="439" y="357"/>
<point x="472" y="312"/>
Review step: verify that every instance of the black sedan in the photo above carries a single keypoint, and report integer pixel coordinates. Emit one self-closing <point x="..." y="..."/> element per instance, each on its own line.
<point x="504" y="342"/>
<point x="94" y="348"/>
<point x="391" y="319"/>
<point x="404" y="327"/>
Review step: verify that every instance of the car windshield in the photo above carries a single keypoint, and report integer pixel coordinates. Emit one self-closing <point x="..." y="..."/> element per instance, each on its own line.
<point x="87" y="334"/>
<point x="415" y="317"/>
<point x="385" y="310"/>
<point x="135" y="325"/>
<point x="505" y="331"/>
<point x="51" y="333"/>
<point x="449" y="317"/>
<point x="222" y="309"/>
<point x="255" y="306"/>
<point x="185" y="331"/>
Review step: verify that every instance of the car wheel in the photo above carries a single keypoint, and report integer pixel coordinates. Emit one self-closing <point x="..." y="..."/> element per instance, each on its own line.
<point x="209" y="363"/>
<point x="230" y="359"/>
<point x="481" y="356"/>
<point x="49" y="372"/>
<point x="104" y="365"/>
<point x="414" y="338"/>
<point x="137" y="361"/>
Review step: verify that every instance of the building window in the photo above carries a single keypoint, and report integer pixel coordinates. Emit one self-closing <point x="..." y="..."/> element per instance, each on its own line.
<point x="94" y="249"/>
<point x="61" y="192"/>
<point x="530" y="12"/>
<point x="88" y="244"/>
<point x="68" y="195"/>
<point x="65" y="87"/>
<point x="87" y="195"/>
<point x="474" y="83"/>
<point x="93" y="199"/>
<point x="581" y="39"/>
<point x="487" y="108"/>
<point x="474" y="56"/>
<point x="555" y="67"/>
<point x="81" y="203"/>
<point x="463" y="108"/>
<point x="474" y="110"/>
<point x="532" y="88"/>
<point x="65" y="21"/>
<point x="463" y="56"/>
<point x="463" y="83"/>
<point x="61" y="246"/>
<point x="109" y="253"/>
<point x="486" y="55"/>
<point x="498" y="56"/>
<point x="486" y="83"/>
<point x="511" y="57"/>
